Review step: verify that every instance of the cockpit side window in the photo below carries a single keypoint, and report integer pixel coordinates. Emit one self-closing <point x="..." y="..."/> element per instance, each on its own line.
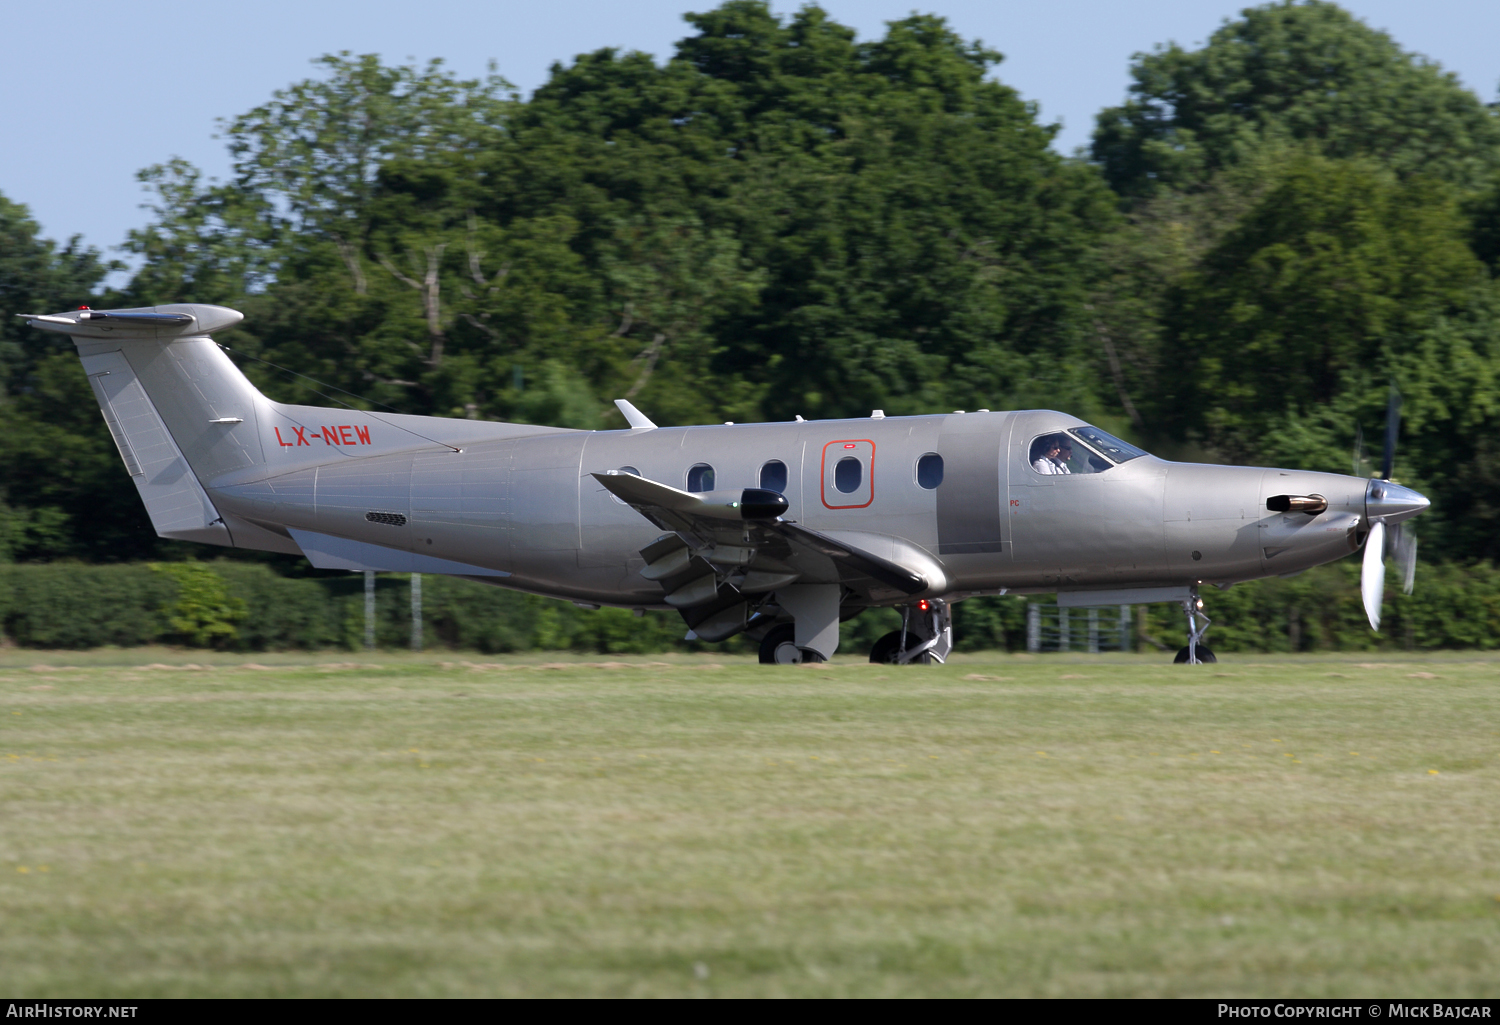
<point x="1054" y="455"/>
<point x="1079" y="450"/>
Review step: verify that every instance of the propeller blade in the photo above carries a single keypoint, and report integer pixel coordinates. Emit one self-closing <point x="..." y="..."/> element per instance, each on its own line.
<point x="1372" y="574"/>
<point x="1359" y="450"/>
<point x="1406" y="557"/>
<point x="1392" y="427"/>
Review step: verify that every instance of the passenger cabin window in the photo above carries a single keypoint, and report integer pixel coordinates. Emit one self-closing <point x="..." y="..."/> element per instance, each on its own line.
<point x="1079" y="450"/>
<point x="700" y="478"/>
<point x="930" y="471"/>
<point x="847" y="475"/>
<point x="773" y="476"/>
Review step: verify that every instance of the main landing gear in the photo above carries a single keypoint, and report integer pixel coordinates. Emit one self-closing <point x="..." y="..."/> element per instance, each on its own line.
<point x="779" y="647"/>
<point x="1196" y="652"/>
<point x="925" y="637"/>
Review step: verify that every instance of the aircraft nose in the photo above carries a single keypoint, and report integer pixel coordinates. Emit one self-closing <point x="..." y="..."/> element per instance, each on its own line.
<point x="1392" y="502"/>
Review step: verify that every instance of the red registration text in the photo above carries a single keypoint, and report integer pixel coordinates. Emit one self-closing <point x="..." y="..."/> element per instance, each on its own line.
<point x="346" y="434"/>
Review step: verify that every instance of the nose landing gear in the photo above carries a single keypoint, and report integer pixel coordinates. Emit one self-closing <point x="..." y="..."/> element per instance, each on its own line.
<point x="1196" y="652"/>
<point x="925" y="637"/>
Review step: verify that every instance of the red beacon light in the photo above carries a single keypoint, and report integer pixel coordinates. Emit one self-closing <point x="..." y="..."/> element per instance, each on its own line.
<point x="85" y="307"/>
<point x="923" y="606"/>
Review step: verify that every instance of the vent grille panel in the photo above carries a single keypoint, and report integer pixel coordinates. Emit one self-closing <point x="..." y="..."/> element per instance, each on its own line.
<point x="388" y="518"/>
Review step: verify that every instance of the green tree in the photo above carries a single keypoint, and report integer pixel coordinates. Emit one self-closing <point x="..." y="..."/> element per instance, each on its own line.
<point x="63" y="475"/>
<point x="203" y="614"/>
<point x="1333" y="273"/>
<point x="920" y="244"/>
<point x="1291" y="75"/>
<point x="63" y="491"/>
<point x="1339" y="279"/>
<point x="1484" y="236"/>
<point x="38" y="276"/>
<point x="779" y="219"/>
<point x="670" y="280"/>
<point x="305" y="169"/>
<point x="290" y="235"/>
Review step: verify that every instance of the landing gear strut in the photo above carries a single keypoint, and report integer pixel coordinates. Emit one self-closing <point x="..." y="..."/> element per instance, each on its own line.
<point x="1196" y="652"/>
<point x="925" y="637"/>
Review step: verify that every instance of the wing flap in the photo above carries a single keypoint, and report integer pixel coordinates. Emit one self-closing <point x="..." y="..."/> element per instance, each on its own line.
<point x="731" y="521"/>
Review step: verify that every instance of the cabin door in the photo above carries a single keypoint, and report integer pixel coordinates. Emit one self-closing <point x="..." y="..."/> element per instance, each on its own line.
<point x="848" y="474"/>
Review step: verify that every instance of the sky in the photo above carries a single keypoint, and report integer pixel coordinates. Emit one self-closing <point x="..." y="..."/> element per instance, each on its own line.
<point x="94" y="91"/>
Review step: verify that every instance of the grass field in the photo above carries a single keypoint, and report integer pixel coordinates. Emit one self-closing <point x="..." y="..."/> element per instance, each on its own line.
<point x="685" y="826"/>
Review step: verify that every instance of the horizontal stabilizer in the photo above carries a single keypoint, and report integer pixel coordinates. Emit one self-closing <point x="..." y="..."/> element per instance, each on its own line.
<point x="327" y="552"/>
<point x="137" y="317"/>
<point x="151" y="322"/>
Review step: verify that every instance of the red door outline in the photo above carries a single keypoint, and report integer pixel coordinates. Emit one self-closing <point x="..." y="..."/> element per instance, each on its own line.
<point x="823" y="471"/>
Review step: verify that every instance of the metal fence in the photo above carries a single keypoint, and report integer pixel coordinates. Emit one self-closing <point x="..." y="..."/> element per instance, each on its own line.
<point x="1093" y="629"/>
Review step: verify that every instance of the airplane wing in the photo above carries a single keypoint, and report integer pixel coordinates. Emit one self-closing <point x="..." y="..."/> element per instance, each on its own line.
<point x="738" y="540"/>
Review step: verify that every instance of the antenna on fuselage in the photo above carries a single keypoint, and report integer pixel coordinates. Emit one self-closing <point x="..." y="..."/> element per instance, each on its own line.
<point x="634" y="417"/>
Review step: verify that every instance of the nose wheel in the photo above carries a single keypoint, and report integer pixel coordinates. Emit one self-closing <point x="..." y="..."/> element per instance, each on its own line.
<point x="1205" y="656"/>
<point x="1196" y="652"/>
<point x="925" y="637"/>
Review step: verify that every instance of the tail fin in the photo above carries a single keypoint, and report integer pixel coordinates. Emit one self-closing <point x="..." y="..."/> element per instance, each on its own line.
<point x="189" y="425"/>
<point x="178" y="409"/>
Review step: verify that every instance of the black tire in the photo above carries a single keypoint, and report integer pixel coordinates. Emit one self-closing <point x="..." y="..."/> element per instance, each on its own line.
<point x="1204" y="655"/>
<point x="772" y="643"/>
<point x="883" y="652"/>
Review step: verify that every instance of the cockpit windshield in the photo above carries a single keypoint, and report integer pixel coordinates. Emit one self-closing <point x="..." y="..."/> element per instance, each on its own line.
<point x="1112" y="447"/>
<point x="1079" y="450"/>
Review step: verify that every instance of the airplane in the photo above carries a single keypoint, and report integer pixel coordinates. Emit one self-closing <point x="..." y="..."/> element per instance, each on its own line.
<point x="776" y="530"/>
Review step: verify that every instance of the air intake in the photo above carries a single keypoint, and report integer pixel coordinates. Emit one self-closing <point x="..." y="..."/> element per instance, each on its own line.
<point x="1310" y="504"/>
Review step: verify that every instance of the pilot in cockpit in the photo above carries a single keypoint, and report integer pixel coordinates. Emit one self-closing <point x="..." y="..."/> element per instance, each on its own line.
<point x="1050" y="454"/>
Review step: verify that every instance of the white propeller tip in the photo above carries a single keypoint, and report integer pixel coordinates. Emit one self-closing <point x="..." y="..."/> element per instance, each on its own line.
<point x="1372" y="574"/>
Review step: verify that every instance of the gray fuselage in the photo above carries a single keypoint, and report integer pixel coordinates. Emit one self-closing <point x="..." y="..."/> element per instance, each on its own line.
<point x="527" y="506"/>
<point x="218" y="462"/>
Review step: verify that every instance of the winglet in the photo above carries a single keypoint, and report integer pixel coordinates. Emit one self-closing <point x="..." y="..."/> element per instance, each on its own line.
<point x="634" y="417"/>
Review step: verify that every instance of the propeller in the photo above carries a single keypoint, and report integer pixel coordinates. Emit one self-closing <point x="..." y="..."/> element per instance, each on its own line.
<point x="1372" y="574"/>
<point x="1403" y="547"/>
<point x="1392" y="426"/>
<point x="1385" y="542"/>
